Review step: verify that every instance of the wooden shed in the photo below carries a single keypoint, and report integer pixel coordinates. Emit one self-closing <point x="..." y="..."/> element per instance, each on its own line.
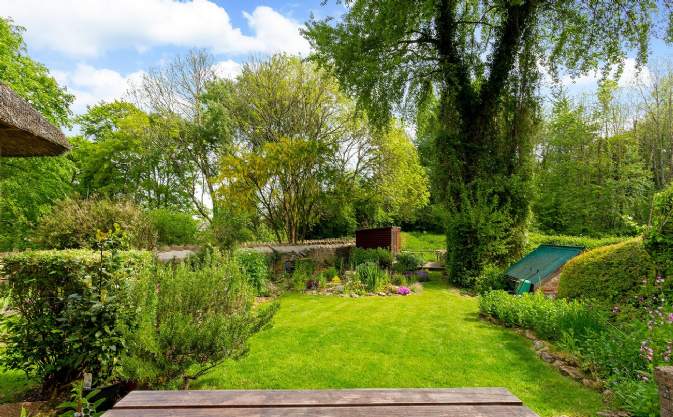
<point x="382" y="237"/>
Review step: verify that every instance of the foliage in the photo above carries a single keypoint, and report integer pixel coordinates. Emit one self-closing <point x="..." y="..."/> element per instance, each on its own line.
<point x="284" y="178"/>
<point x="371" y="276"/>
<point x="173" y="227"/>
<point x="659" y="236"/>
<point x="73" y="223"/>
<point x="322" y="170"/>
<point x="407" y="262"/>
<point x="191" y="127"/>
<point x="653" y="130"/>
<point x="536" y="239"/>
<point x="639" y="398"/>
<point x="578" y="165"/>
<point x="127" y="154"/>
<point x="491" y="278"/>
<point x="549" y="318"/>
<point x="303" y="272"/>
<point x="81" y="404"/>
<point x="474" y="66"/>
<point x="611" y="274"/>
<point x="190" y="320"/>
<point x="398" y="186"/>
<point x="380" y="256"/>
<point x="29" y="186"/>
<point x="233" y="224"/>
<point x="255" y="268"/>
<point x="70" y="309"/>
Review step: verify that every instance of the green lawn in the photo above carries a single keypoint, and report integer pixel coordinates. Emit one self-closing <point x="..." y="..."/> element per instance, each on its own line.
<point x="430" y="340"/>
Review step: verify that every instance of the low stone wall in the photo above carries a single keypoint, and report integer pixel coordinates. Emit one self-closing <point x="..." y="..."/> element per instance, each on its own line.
<point x="323" y="255"/>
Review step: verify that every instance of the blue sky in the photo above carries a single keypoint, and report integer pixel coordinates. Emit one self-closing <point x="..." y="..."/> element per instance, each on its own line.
<point x="94" y="47"/>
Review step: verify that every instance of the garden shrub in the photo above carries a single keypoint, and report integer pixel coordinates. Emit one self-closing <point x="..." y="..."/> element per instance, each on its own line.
<point x="638" y="397"/>
<point x="302" y="274"/>
<point x="73" y="224"/>
<point x="659" y="237"/>
<point x="407" y="262"/>
<point x="70" y="310"/>
<point x="492" y="278"/>
<point x="371" y="276"/>
<point x="380" y="256"/>
<point x="173" y="227"/>
<point x="610" y="274"/>
<point x="549" y="318"/>
<point x="256" y="269"/>
<point x="191" y="320"/>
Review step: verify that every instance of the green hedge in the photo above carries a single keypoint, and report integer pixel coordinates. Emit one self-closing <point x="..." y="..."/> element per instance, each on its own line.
<point x="537" y="239"/>
<point x="612" y="274"/>
<point x="70" y="309"/>
<point x="174" y="227"/>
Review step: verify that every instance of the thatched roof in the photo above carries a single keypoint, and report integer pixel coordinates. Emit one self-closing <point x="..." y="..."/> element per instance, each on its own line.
<point x="23" y="131"/>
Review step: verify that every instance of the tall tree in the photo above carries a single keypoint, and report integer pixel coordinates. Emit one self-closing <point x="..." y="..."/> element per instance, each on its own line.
<point x="30" y="186"/>
<point x="588" y="183"/>
<point x="177" y="90"/>
<point x="655" y="127"/>
<point x="482" y="60"/>
<point x="303" y="156"/>
<point x="128" y="154"/>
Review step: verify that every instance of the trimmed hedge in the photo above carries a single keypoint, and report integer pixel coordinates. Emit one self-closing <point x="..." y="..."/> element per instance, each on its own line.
<point x="612" y="274"/>
<point x="70" y="309"/>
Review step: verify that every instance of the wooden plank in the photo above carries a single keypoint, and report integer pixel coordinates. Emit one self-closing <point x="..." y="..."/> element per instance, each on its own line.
<point x="294" y="398"/>
<point x="372" y="411"/>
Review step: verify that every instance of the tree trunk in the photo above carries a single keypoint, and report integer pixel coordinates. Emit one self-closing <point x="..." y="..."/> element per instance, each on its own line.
<point x="480" y="148"/>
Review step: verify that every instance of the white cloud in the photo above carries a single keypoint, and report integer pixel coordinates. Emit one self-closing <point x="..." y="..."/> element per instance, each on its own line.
<point x="91" y="85"/>
<point x="631" y="75"/>
<point x="92" y="27"/>
<point x="227" y="69"/>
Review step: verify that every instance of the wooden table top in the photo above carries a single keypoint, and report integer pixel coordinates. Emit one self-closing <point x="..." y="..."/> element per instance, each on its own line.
<point x="450" y="402"/>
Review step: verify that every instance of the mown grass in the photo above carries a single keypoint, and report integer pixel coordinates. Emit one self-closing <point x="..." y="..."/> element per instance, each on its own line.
<point x="434" y="339"/>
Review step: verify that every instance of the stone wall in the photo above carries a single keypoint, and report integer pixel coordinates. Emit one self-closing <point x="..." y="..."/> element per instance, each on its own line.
<point x="664" y="377"/>
<point x="323" y="255"/>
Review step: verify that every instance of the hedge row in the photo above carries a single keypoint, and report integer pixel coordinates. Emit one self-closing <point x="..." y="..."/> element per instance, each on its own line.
<point x="612" y="274"/>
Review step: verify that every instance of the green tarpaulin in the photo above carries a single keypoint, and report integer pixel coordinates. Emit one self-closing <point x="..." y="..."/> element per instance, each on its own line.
<point x="542" y="263"/>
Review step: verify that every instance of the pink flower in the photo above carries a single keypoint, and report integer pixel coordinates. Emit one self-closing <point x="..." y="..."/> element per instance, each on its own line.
<point x="403" y="291"/>
<point x="670" y="317"/>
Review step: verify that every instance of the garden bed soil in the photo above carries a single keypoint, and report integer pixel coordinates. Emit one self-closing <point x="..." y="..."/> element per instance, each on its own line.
<point x="14" y="409"/>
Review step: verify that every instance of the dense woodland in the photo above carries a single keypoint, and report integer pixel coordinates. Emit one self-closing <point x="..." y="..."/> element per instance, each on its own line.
<point x="282" y="153"/>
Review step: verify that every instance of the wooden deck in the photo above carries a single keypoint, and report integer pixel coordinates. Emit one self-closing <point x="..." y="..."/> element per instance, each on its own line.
<point x="452" y="402"/>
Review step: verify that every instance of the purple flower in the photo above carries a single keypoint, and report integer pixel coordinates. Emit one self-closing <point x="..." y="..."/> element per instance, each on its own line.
<point x="670" y="317"/>
<point x="403" y="291"/>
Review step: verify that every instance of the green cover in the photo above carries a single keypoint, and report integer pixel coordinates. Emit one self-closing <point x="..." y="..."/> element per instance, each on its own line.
<point x="542" y="262"/>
